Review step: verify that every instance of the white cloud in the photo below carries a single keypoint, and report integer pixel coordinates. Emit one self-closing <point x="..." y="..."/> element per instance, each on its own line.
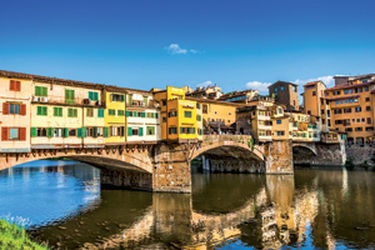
<point x="328" y="81"/>
<point x="205" y="84"/>
<point x="262" y="87"/>
<point x="175" y="49"/>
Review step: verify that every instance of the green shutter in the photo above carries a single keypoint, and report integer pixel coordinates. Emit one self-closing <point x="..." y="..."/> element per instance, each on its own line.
<point x="79" y="133"/>
<point x="127" y="113"/>
<point x="145" y="101"/>
<point x="95" y="132"/>
<point x="130" y="99"/>
<point x="141" y="131"/>
<point x="135" y="113"/>
<point x="156" y="115"/>
<point x="105" y="131"/>
<point x="84" y="132"/>
<point x="143" y="114"/>
<point x="130" y="131"/>
<point x="49" y="132"/>
<point x="101" y="113"/>
<point x="33" y="132"/>
<point x="66" y="130"/>
<point x="122" y="98"/>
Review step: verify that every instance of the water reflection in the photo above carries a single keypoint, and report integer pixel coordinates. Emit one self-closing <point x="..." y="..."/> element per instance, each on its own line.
<point x="44" y="192"/>
<point x="327" y="209"/>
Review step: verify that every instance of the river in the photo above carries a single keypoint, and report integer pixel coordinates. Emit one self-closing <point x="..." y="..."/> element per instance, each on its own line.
<point x="61" y="203"/>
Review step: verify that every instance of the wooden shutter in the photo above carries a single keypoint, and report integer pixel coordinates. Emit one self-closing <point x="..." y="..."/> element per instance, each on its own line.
<point x="105" y="131"/>
<point x="4" y="134"/>
<point x="22" y="133"/>
<point x="141" y="131"/>
<point x="17" y="86"/>
<point x="33" y="132"/>
<point x="130" y="131"/>
<point x="5" y="108"/>
<point x="23" y="109"/>
<point x="12" y="85"/>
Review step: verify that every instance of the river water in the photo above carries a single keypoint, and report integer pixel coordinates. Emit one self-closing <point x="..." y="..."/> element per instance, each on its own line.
<point x="61" y="203"/>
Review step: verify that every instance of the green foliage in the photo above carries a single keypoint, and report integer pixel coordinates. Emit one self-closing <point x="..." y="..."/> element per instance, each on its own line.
<point x="14" y="237"/>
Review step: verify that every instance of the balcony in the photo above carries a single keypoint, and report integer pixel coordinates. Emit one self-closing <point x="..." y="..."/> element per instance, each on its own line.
<point x="63" y="101"/>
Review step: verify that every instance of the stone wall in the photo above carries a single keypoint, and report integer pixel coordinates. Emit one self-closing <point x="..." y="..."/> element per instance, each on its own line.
<point x="326" y="155"/>
<point x="360" y="155"/>
<point x="172" y="169"/>
<point x="279" y="157"/>
<point x="123" y="178"/>
<point x="231" y="165"/>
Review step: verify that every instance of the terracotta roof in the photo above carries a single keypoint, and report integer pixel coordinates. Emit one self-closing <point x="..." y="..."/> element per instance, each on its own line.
<point x="348" y="86"/>
<point x="67" y="82"/>
<point x="202" y="100"/>
<point x="313" y="83"/>
<point x="283" y="82"/>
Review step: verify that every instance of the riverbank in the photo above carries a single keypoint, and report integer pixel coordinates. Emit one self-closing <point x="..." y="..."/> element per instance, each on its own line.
<point x="14" y="237"/>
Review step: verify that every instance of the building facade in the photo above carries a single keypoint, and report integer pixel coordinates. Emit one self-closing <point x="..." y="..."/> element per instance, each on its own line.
<point x="285" y="93"/>
<point x="15" y="115"/>
<point x="142" y="118"/>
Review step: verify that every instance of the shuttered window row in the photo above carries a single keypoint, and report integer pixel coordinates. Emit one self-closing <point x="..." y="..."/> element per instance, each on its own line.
<point x="12" y="133"/>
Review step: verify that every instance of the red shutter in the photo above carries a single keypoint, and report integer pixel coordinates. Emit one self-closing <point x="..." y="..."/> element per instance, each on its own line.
<point x="4" y="134"/>
<point x="18" y="86"/>
<point x="22" y="132"/>
<point x="23" y="109"/>
<point x="5" y="108"/>
<point x="11" y="85"/>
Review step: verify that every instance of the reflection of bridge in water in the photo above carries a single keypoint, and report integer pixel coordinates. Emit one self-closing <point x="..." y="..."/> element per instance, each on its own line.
<point x="171" y="219"/>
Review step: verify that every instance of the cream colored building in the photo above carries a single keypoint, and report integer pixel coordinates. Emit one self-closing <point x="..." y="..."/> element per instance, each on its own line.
<point x="142" y="117"/>
<point x="66" y="114"/>
<point x="15" y="115"/>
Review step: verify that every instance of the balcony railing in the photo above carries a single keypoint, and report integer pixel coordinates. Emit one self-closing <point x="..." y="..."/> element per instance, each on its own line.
<point x="78" y="101"/>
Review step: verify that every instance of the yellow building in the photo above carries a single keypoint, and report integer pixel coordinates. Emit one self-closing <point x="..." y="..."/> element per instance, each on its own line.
<point x="178" y="116"/>
<point x="66" y="113"/>
<point x="15" y="116"/>
<point x="281" y="123"/>
<point x="114" y="115"/>
<point x="217" y="116"/>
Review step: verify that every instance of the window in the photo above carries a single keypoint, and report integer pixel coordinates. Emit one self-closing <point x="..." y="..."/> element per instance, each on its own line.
<point x="101" y="113"/>
<point x="314" y="93"/>
<point x="282" y="88"/>
<point x="172" y="130"/>
<point x="368" y="108"/>
<point x="69" y="96"/>
<point x="72" y="112"/>
<point x="280" y="133"/>
<point x="41" y="91"/>
<point x="90" y="112"/>
<point x="58" y="132"/>
<point x="199" y="118"/>
<point x="14" y="108"/>
<point x="111" y="112"/>
<point x="93" y="96"/>
<point x="120" y="112"/>
<point x="367" y="99"/>
<point x="117" y="131"/>
<point x="198" y="106"/>
<point x="187" y="114"/>
<point x="358" y="109"/>
<point x="72" y="132"/>
<point x="10" y="133"/>
<point x="57" y="112"/>
<point x="205" y="109"/>
<point x="278" y="121"/>
<point x="41" y="110"/>
<point x="150" y="130"/>
<point x="369" y="121"/>
<point x="172" y="113"/>
<point x="117" y="98"/>
<point x="366" y="88"/>
<point x="41" y="132"/>
<point x="15" y="85"/>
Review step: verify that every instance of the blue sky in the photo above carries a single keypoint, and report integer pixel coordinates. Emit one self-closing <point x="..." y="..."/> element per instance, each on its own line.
<point x="236" y="44"/>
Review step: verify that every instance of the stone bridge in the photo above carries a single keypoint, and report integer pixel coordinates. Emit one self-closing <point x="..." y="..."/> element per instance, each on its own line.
<point x="165" y="167"/>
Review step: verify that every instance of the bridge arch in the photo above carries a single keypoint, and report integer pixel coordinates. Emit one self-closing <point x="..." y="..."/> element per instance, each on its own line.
<point x="214" y="142"/>
<point x="310" y="146"/>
